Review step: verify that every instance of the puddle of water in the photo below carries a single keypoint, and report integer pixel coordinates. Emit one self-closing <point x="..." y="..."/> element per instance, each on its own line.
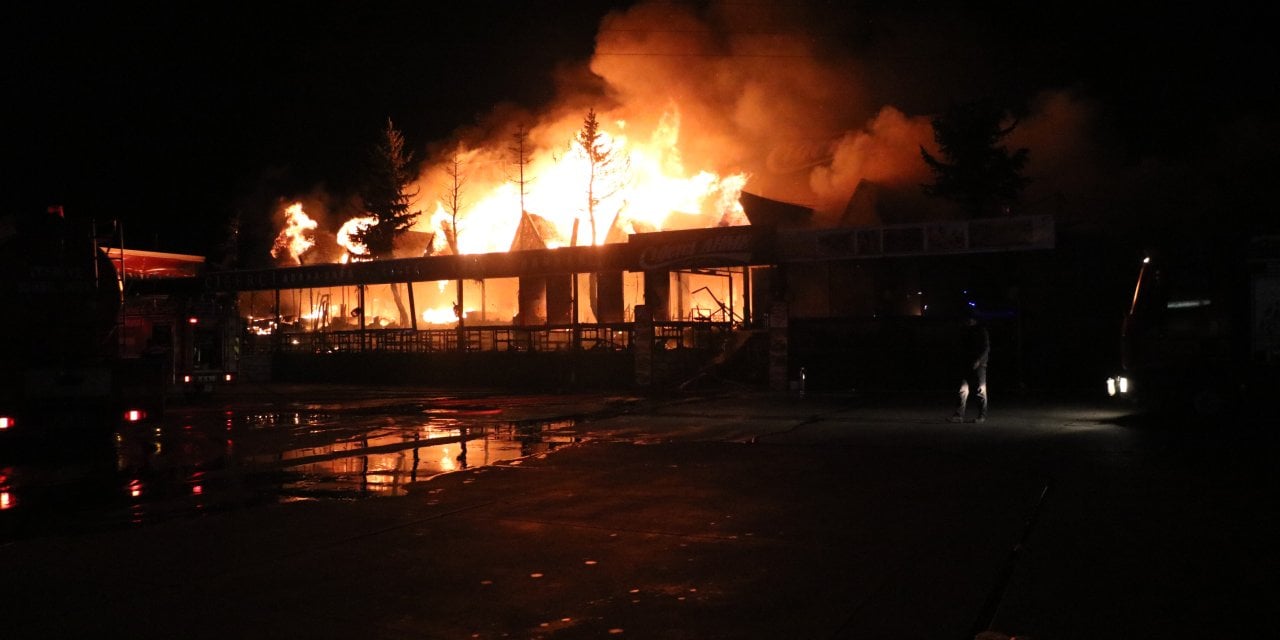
<point x="387" y="464"/>
<point x="187" y="465"/>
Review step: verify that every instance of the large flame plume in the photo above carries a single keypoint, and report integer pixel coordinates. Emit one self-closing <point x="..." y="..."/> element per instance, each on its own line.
<point x="651" y="189"/>
<point x="700" y="102"/>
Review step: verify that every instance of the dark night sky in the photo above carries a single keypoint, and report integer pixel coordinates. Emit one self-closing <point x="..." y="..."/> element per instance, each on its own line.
<point x="167" y="117"/>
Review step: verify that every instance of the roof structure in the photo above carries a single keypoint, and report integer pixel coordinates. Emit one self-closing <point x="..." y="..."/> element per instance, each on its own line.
<point x="135" y="263"/>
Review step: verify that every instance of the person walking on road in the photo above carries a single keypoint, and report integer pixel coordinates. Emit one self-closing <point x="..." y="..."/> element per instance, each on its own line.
<point x="975" y="349"/>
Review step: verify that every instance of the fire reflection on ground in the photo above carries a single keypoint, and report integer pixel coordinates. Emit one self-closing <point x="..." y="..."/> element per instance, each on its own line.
<point x="386" y="463"/>
<point x="217" y="460"/>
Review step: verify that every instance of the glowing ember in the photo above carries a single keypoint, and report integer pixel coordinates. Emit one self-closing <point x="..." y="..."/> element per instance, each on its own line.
<point x="297" y="237"/>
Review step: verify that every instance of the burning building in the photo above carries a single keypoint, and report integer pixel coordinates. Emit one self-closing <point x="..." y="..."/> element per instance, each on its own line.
<point x="659" y="308"/>
<point x="664" y="216"/>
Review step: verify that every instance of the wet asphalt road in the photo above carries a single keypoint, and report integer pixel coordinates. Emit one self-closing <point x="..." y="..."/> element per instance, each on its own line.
<point x="280" y="444"/>
<point x="747" y="516"/>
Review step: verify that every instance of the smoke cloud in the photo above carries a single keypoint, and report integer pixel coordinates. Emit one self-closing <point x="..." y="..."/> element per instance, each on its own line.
<point x="779" y="94"/>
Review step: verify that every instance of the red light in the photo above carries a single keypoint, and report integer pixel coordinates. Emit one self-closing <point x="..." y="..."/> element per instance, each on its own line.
<point x="197" y="490"/>
<point x="193" y="320"/>
<point x="5" y="422"/>
<point x="135" y="488"/>
<point x="228" y="377"/>
<point x="134" y="415"/>
<point x="186" y="378"/>
<point x="6" y="500"/>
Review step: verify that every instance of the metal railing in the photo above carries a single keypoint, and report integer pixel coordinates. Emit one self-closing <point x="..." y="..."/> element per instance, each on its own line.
<point x="668" y="335"/>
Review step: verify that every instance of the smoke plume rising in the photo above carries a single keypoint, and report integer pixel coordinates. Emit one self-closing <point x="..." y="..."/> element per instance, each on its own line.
<point x="701" y="98"/>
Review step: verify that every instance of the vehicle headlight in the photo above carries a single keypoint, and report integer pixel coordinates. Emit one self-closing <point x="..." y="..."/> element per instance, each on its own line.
<point x="1118" y="385"/>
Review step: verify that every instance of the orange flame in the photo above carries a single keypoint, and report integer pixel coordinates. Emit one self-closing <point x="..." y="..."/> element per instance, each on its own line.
<point x="297" y="237"/>
<point x="649" y="189"/>
<point x="355" y="250"/>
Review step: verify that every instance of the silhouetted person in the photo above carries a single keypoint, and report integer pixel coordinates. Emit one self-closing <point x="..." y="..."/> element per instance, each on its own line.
<point x="975" y="348"/>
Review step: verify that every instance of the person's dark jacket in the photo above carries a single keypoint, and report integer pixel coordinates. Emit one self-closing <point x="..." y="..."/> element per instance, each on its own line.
<point x="975" y="346"/>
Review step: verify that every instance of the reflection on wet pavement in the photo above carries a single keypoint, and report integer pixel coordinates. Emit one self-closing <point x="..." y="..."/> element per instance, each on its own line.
<point x="216" y="460"/>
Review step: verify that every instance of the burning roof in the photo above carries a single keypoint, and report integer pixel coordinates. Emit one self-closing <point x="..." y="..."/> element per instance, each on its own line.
<point x="532" y="233"/>
<point x="772" y="214"/>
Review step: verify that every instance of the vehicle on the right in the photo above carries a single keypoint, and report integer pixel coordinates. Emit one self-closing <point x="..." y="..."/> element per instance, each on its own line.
<point x="1202" y="332"/>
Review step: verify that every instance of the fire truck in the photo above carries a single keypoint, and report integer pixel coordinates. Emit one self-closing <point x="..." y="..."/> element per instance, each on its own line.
<point x="1202" y="332"/>
<point x="58" y="354"/>
<point x="181" y="337"/>
<point x="79" y="356"/>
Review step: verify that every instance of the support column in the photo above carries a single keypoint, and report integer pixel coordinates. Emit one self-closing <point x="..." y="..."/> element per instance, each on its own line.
<point x="277" y="333"/>
<point x="642" y="347"/>
<point x="531" y="300"/>
<point x="778" y="347"/>
<point x="460" y="308"/>
<point x="657" y="294"/>
<point x="364" y="337"/>
<point x="413" y="309"/>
